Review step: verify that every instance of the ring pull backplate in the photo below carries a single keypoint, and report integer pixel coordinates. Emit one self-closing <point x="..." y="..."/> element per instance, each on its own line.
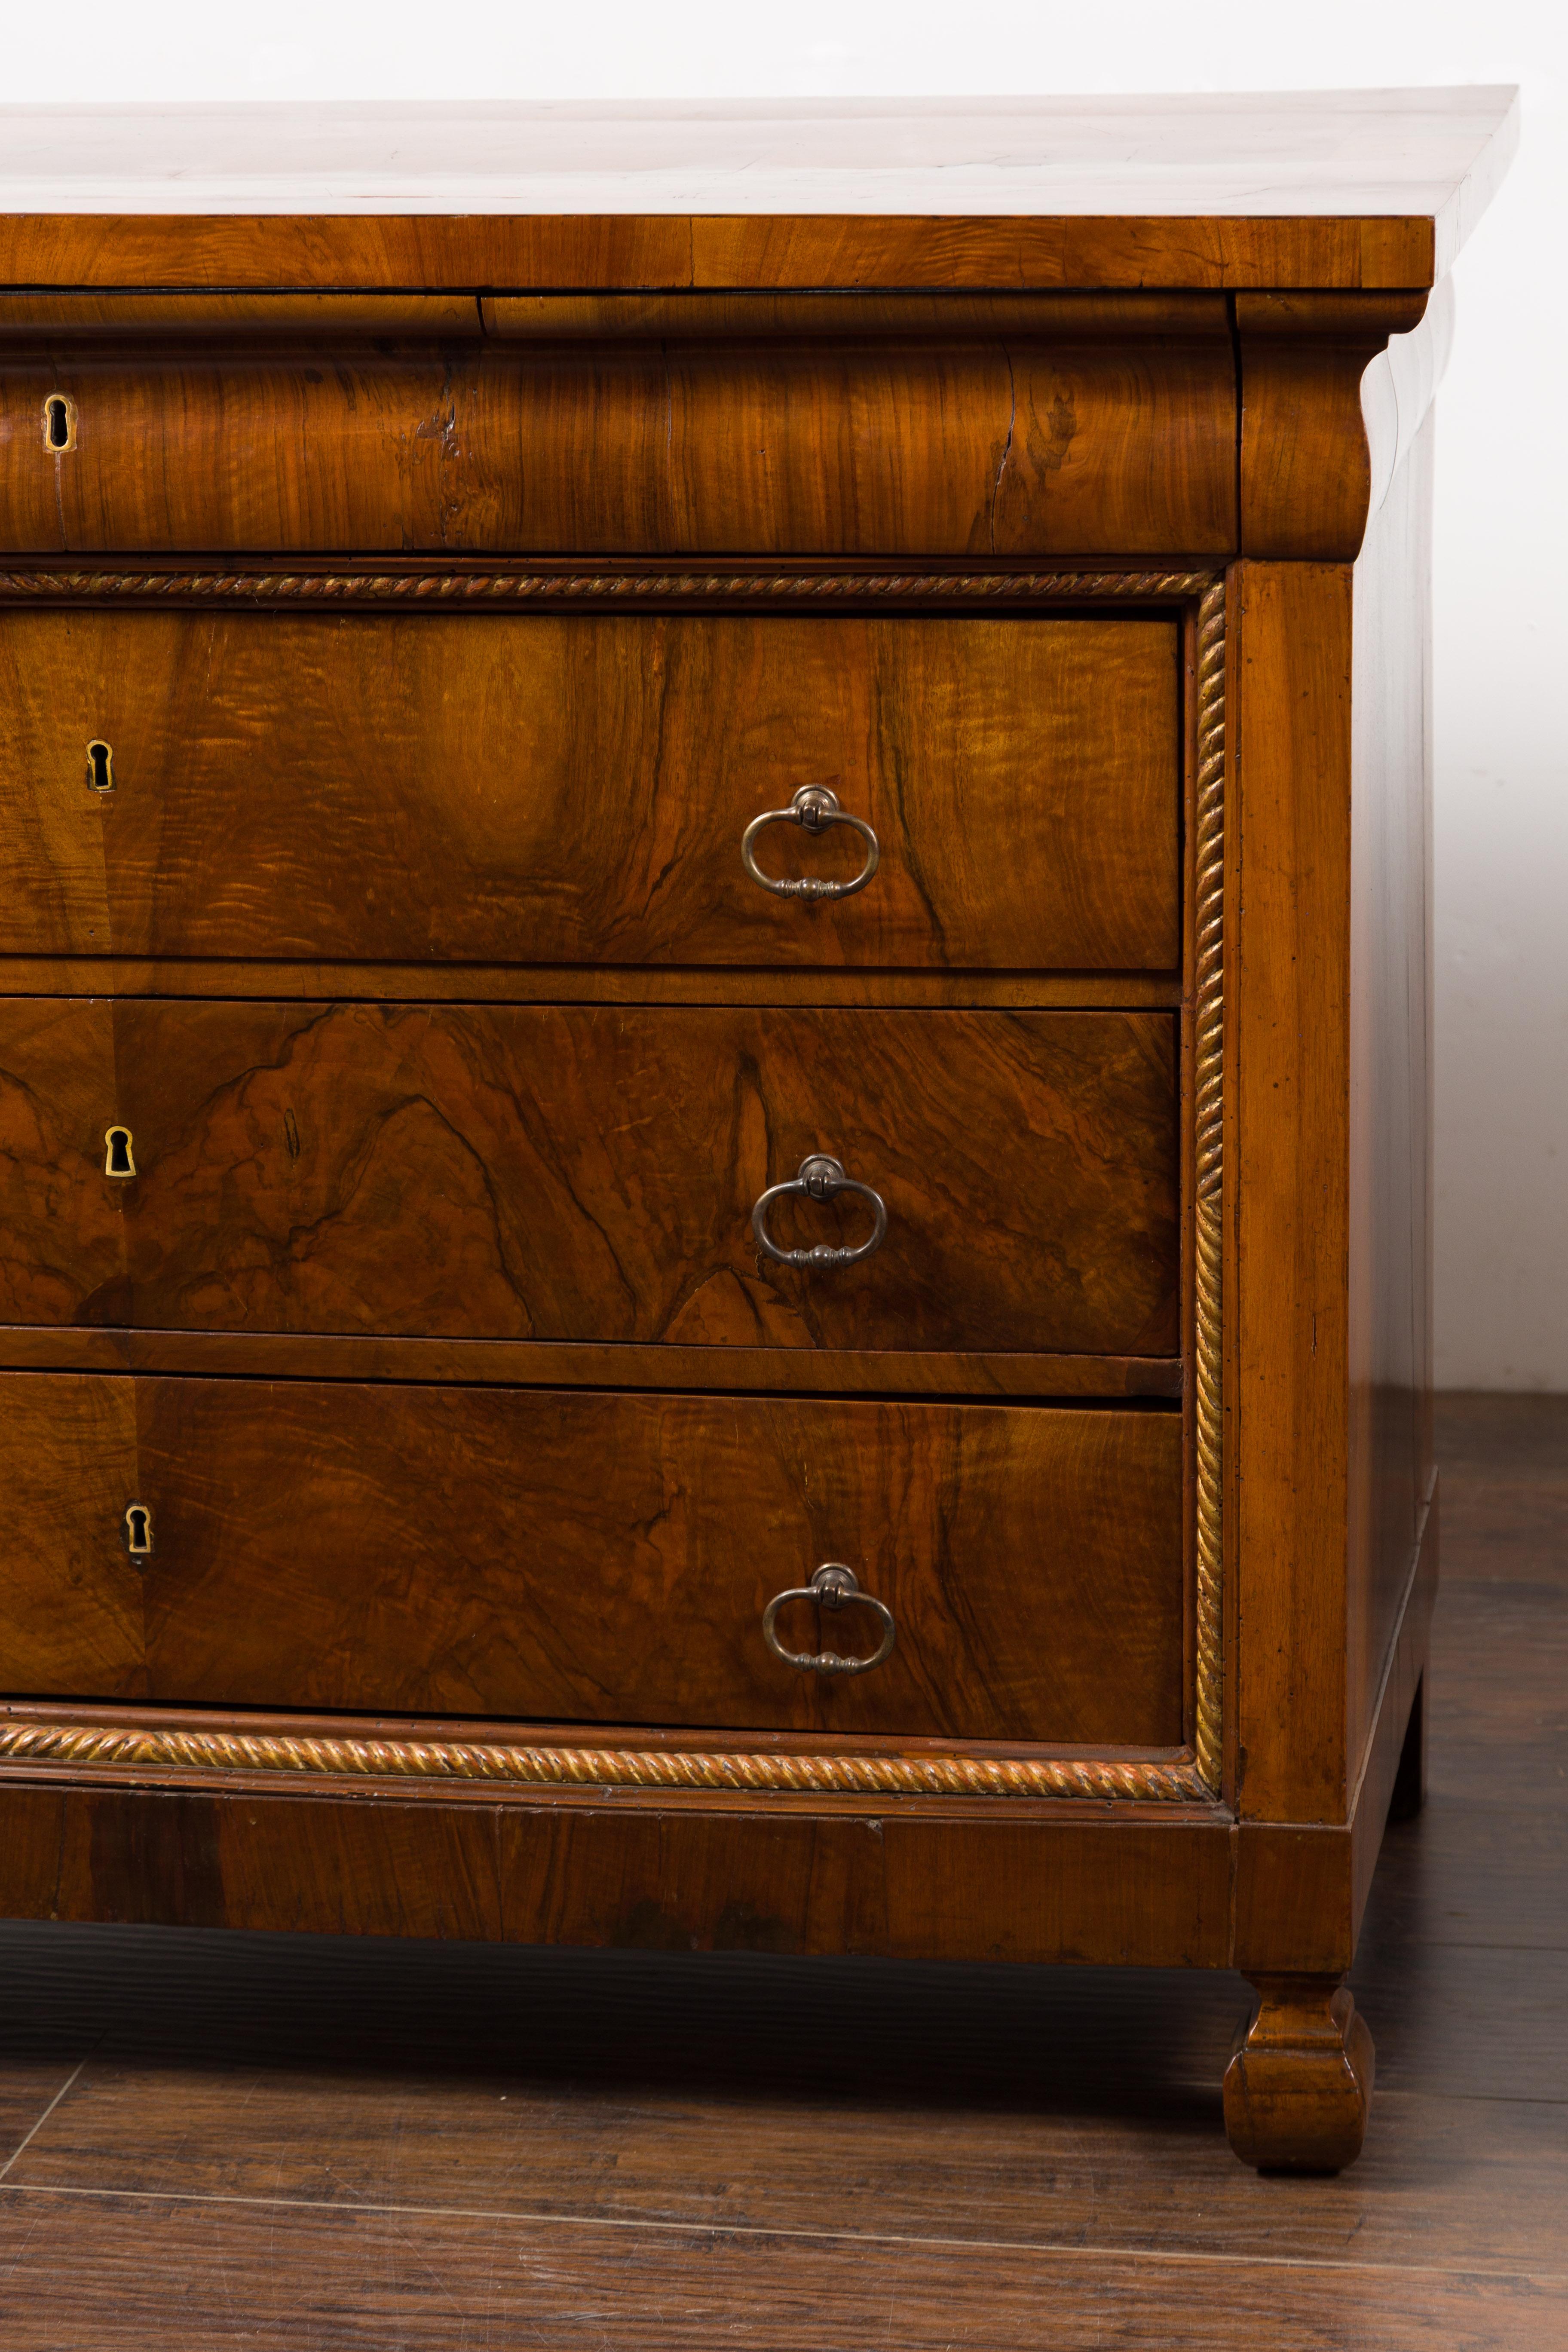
<point x="820" y="1177"/>
<point x="814" y="808"/>
<point x="833" y="1586"/>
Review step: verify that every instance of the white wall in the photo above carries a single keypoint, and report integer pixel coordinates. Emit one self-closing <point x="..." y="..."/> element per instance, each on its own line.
<point x="1503" y="518"/>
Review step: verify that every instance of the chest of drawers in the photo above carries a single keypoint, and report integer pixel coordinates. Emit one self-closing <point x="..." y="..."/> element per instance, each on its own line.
<point x="714" y="1055"/>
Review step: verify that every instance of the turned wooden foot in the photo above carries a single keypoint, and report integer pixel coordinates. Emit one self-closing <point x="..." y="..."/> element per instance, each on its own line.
<point x="1298" y="2089"/>
<point x="1410" y="1779"/>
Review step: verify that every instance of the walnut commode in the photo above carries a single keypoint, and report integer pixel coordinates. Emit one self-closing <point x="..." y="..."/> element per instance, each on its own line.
<point x="715" y="1070"/>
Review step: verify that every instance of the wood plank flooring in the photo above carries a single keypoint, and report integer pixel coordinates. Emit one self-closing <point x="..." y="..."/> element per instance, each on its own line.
<point x="212" y="2141"/>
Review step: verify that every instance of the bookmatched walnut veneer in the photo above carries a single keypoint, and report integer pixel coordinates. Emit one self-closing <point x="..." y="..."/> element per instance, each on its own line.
<point x="715" y="1046"/>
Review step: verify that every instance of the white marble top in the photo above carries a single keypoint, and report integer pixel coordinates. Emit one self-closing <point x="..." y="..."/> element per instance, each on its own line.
<point x="1432" y="153"/>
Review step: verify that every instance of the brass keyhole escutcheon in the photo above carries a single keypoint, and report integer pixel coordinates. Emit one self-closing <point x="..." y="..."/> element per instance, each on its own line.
<point x="118" y="1160"/>
<point x="100" y="767"/>
<point x="59" y="423"/>
<point x="138" y="1531"/>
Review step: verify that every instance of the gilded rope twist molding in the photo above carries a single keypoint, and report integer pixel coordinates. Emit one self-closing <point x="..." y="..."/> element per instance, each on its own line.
<point x="1208" y="1171"/>
<point x="130" y="1746"/>
<point x="521" y="586"/>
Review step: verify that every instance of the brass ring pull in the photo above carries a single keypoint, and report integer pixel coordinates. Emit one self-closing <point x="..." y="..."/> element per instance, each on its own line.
<point x="835" y="1587"/>
<point x="820" y="1179"/>
<point x="814" y="808"/>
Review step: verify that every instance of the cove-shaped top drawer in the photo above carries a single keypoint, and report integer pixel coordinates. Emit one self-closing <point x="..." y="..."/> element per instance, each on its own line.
<point x="560" y="1557"/>
<point x="1010" y="443"/>
<point x="592" y="1173"/>
<point x="468" y="787"/>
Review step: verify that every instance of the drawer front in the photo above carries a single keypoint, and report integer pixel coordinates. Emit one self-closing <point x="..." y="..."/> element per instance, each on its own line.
<point x="466" y="787"/>
<point x="880" y="449"/>
<point x="593" y="1557"/>
<point x="581" y="1172"/>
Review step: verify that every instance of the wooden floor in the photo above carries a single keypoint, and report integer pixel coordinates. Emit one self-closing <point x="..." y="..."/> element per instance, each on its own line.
<point x="209" y="2141"/>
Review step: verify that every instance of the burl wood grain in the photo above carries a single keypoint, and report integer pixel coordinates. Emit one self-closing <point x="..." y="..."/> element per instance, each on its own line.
<point x="588" y="1174"/>
<point x="575" y="790"/>
<point x="73" y="1618"/>
<point x="576" y="1556"/>
<point x="847" y="446"/>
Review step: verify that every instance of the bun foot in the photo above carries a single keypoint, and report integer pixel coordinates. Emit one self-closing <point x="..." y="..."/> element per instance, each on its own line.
<point x="1297" y="2090"/>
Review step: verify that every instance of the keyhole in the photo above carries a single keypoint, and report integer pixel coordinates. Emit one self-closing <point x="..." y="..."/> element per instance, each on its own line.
<point x="59" y="422"/>
<point x="138" y="1531"/>
<point x="99" y="768"/>
<point x="119" y="1162"/>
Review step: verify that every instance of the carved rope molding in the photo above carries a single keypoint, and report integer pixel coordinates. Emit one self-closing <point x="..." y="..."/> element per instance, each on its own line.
<point x="1208" y="1173"/>
<point x="747" y="1773"/>
<point x="521" y="586"/>
<point x="128" y="1747"/>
